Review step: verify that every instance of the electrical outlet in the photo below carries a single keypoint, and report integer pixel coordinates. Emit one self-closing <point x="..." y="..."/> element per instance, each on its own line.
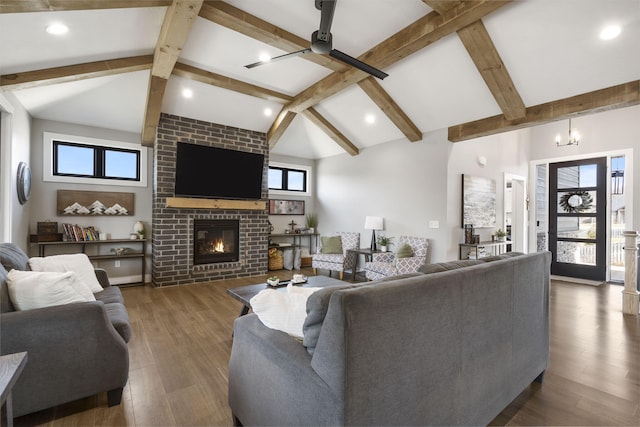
<point x="117" y="263"/>
<point x="434" y="224"/>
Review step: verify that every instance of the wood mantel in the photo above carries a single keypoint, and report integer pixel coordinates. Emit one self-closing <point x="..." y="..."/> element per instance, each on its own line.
<point x="191" y="203"/>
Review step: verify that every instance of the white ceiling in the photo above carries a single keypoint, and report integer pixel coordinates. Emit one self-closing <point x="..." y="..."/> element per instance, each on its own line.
<point x="551" y="49"/>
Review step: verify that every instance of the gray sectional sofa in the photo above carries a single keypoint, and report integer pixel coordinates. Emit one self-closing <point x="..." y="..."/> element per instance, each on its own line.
<point x="74" y="350"/>
<point x="452" y="345"/>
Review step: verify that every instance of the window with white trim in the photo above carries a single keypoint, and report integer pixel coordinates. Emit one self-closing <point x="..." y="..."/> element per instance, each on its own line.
<point x="77" y="159"/>
<point x="289" y="179"/>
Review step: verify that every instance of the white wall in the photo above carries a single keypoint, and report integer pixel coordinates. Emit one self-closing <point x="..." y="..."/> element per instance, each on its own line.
<point x="16" y="125"/>
<point x="281" y="222"/>
<point x="44" y="196"/>
<point x="403" y="182"/>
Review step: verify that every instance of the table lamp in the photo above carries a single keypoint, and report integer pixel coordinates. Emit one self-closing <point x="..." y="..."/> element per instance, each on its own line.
<point x="373" y="223"/>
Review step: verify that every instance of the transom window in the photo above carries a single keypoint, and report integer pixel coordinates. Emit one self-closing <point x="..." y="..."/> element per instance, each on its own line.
<point x="287" y="179"/>
<point x="85" y="160"/>
<point x="94" y="161"/>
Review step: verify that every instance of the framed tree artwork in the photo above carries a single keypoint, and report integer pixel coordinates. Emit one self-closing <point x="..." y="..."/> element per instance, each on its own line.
<point x="286" y="207"/>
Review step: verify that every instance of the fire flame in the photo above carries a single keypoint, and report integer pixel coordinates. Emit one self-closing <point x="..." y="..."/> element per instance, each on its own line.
<point x="218" y="246"/>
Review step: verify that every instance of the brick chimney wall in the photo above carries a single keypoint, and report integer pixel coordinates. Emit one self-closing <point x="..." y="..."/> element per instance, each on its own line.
<point x="172" y="228"/>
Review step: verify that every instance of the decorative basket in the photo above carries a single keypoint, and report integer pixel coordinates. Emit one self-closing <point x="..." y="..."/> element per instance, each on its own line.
<point x="276" y="262"/>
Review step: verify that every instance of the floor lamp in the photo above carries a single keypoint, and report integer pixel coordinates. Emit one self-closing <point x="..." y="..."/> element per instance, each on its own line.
<point x="373" y="223"/>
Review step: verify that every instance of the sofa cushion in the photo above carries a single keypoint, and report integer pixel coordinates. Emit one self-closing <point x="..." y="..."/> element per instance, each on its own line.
<point x="331" y="245"/>
<point x="505" y="255"/>
<point x="110" y="295"/>
<point x="12" y="257"/>
<point x="6" y="305"/>
<point x="79" y="263"/>
<point x="117" y="314"/>
<point x="446" y="266"/>
<point x="283" y="309"/>
<point x="404" y="251"/>
<point x="30" y="289"/>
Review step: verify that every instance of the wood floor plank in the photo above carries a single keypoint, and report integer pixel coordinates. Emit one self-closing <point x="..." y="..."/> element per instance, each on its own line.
<point x="182" y="339"/>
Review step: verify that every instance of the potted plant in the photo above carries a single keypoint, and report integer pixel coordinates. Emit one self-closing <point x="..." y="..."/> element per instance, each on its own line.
<point x="312" y="222"/>
<point x="384" y="242"/>
<point x="500" y="235"/>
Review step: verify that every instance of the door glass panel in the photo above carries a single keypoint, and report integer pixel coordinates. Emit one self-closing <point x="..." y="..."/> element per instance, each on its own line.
<point x="576" y="202"/>
<point x="577" y="176"/>
<point x="573" y="227"/>
<point x="577" y="253"/>
<point x="617" y="218"/>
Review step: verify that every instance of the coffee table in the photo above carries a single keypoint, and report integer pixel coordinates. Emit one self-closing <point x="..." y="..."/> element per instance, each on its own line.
<point x="245" y="293"/>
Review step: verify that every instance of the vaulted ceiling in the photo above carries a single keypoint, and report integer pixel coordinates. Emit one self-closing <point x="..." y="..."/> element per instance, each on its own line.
<point x="475" y="67"/>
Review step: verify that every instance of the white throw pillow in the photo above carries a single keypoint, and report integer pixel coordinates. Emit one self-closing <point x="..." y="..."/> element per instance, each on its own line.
<point x="283" y="309"/>
<point x="35" y="289"/>
<point x="78" y="263"/>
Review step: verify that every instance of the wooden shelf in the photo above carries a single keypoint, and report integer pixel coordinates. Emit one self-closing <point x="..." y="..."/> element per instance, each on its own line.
<point x="191" y="203"/>
<point x="83" y="243"/>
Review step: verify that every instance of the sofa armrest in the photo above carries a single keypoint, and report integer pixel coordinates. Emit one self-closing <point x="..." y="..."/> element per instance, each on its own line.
<point x="268" y="367"/>
<point x="74" y="352"/>
<point x="103" y="278"/>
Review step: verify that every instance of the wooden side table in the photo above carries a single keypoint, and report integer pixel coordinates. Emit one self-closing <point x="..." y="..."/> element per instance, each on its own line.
<point x="11" y="367"/>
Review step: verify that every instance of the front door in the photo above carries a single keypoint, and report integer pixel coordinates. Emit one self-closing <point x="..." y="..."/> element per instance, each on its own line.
<point x="577" y="218"/>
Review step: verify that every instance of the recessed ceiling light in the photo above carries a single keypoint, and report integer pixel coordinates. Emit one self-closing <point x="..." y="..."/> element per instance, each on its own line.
<point x="264" y="57"/>
<point x="187" y="93"/>
<point x="57" y="29"/>
<point x="268" y="112"/>
<point x="370" y="118"/>
<point x="610" y="32"/>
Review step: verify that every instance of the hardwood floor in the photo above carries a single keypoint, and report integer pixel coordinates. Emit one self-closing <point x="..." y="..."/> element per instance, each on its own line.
<point x="182" y="340"/>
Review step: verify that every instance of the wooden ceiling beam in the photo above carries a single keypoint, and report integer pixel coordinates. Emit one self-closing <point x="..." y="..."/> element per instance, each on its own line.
<point x="175" y="29"/>
<point x="485" y="56"/>
<point x="389" y="107"/>
<point x="70" y="73"/>
<point x="25" y="6"/>
<point x="203" y="76"/>
<point x="423" y="32"/>
<point x="611" y="98"/>
<point x="282" y="123"/>
<point x="242" y="22"/>
<point x="317" y="119"/>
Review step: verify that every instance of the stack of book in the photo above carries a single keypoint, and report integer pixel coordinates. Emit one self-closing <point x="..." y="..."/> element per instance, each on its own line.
<point x="76" y="233"/>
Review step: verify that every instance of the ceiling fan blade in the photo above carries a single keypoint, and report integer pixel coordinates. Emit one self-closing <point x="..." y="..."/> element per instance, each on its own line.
<point x="278" y="58"/>
<point x="326" y="8"/>
<point x="341" y="56"/>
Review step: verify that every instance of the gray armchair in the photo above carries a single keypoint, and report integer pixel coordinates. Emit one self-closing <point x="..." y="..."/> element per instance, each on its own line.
<point x="75" y="350"/>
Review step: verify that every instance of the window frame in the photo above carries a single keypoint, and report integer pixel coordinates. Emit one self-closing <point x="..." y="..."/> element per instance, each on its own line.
<point x="101" y="146"/>
<point x="286" y="167"/>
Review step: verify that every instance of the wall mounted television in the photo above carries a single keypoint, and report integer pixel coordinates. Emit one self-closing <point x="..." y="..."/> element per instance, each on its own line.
<point x="217" y="173"/>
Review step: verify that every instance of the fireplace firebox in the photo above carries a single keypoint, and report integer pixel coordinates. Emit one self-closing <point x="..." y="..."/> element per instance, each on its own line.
<point x="215" y="240"/>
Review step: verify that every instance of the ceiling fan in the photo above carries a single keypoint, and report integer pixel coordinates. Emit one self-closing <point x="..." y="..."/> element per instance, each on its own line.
<point x="321" y="43"/>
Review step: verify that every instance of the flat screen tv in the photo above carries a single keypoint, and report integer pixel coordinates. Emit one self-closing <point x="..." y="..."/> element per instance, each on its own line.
<point x="217" y="173"/>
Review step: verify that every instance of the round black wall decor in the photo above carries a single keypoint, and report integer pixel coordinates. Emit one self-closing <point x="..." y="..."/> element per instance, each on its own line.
<point x="24" y="183"/>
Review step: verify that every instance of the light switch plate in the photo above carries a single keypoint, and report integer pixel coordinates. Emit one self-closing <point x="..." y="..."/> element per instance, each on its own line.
<point x="434" y="224"/>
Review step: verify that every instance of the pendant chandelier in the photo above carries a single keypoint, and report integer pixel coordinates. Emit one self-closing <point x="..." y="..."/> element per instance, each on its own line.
<point x="574" y="137"/>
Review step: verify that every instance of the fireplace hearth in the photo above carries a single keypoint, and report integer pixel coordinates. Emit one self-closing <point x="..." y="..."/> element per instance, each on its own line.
<point x="215" y="241"/>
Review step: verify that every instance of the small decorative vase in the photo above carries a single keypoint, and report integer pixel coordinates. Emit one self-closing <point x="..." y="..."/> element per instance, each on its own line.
<point x="138" y="228"/>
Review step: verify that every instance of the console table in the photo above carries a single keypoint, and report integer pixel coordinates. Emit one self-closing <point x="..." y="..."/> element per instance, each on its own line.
<point x="103" y="257"/>
<point x="297" y="239"/>
<point x="11" y="367"/>
<point x="494" y="248"/>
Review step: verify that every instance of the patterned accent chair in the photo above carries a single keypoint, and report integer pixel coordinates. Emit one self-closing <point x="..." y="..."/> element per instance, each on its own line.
<point x="386" y="264"/>
<point x="338" y="262"/>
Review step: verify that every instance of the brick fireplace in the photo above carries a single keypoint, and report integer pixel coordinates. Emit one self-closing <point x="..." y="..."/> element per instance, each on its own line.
<point x="173" y="231"/>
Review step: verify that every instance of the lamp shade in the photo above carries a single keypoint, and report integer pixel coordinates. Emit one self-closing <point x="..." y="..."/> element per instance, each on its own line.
<point x="373" y="223"/>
